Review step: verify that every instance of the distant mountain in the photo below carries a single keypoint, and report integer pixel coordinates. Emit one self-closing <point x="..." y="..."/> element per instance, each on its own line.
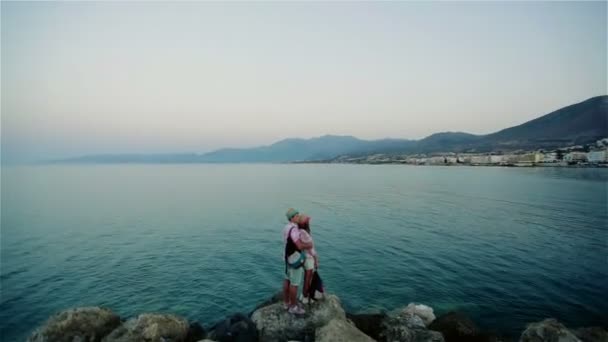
<point x="447" y="140"/>
<point x="320" y="148"/>
<point x="580" y="123"/>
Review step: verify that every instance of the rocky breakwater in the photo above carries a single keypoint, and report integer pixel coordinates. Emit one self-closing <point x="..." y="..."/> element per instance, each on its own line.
<point x="101" y="324"/>
<point x="324" y="321"/>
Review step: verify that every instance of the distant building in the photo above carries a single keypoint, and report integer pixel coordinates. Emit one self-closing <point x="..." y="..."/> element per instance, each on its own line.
<point x="464" y="159"/>
<point x="496" y="159"/>
<point x="524" y="159"/>
<point x="437" y="160"/>
<point x="451" y="160"/>
<point x="576" y="157"/>
<point x="480" y="160"/>
<point x="597" y="156"/>
<point x="550" y="157"/>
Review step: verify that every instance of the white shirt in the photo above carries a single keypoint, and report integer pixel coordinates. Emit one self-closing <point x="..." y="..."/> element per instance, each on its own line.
<point x="295" y="233"/>
<point x="295" y="236"/>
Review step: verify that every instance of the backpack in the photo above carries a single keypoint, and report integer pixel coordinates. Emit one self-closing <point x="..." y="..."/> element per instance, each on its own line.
<point x="316" y="290"/>
<point x="290" y="248"/>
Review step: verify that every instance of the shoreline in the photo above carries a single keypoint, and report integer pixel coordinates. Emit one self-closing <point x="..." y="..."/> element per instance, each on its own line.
<point x="539" y="165"/>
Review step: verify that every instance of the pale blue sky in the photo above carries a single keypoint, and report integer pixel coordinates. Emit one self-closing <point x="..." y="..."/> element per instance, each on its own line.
<point x="82" y="78"/>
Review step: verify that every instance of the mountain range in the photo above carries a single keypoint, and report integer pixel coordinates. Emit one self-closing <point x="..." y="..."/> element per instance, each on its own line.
<point x="580" y="123"/>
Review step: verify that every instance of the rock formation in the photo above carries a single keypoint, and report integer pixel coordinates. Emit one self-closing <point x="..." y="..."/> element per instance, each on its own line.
<point x="324" y="321"/>
<point x="549" y="330"/>
<point x="78" y="324"/>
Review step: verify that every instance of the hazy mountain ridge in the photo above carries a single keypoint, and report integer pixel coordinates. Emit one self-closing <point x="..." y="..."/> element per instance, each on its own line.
<point x="579" y="123"/>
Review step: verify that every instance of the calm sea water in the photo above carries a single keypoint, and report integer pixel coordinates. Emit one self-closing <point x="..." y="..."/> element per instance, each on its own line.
<point x="506" y="245"/>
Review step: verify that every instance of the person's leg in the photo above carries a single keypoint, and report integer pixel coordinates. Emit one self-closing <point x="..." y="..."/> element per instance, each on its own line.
<point x="293" y="295"/>
<point x="309" y="265"/>
<point x="307" y="282"/>
<point x="295" y="278"/>
<point x="295" y="308"/>
<point x="286" y="286"/>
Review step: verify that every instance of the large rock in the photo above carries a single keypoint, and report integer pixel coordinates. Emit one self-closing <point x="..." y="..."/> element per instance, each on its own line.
<point x="78" y="324"/>
<point x="370" y="324"/>
<point x="549" y="330"/>
<point x="151" y="328"/>
<point x="423" y="311"/>
<point x="237" y="328"/>
<point x="455" y="326"/>
<point x="339" y="330"/>
<point x="592" y="334"/>
<point x="274" y="323"/>
<point x="276" y="298"/>
<point x="405" y="326"/>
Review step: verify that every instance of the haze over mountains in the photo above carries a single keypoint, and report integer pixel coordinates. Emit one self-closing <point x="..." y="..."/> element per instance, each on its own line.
<point x="579" y="123"/>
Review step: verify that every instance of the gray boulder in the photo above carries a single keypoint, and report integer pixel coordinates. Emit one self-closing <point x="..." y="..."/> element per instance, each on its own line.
<point x="88" y="324"/>
<point x="339" y="330"/>
<point x="274" y="323"/>
<point x="151" y="328"/>
<point x="549" y="330"/>
<point x="405" y="326"/>
<point x="423" y="311"/>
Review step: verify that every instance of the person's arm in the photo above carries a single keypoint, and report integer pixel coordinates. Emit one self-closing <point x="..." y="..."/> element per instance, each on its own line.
<point x="295" y="237"/>
<point x="303" y="245"/>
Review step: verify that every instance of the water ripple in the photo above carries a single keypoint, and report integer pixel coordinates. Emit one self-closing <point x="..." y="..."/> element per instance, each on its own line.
<point x="507" y="246"/>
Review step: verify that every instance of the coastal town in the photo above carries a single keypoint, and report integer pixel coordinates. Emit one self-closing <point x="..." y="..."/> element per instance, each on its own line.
<point x="590" y="155"/>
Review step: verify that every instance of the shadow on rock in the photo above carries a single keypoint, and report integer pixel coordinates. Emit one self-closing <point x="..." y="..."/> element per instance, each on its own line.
<point x="236" y="328"/>
<point x="370" y="324"/>
<point x="458" y="327"/>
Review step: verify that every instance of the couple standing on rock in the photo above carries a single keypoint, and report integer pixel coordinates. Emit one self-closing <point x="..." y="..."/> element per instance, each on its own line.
<point x="300" y="260"/>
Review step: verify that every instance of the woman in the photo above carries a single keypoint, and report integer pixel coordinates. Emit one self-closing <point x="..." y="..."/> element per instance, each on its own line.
<point x="312" y="260"/>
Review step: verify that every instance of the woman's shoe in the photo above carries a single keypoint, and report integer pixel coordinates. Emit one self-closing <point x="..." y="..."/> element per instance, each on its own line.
<point x="296" y="310"/>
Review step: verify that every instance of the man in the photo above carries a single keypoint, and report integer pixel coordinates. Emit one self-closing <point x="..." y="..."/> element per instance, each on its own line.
<point x="294" y="262"/>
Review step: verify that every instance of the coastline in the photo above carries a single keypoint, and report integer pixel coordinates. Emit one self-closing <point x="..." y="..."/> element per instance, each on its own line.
<point x="325" y="321"/>
<point x="539" y="165"/>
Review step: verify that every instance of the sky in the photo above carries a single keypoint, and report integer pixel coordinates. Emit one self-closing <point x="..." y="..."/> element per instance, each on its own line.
<point x="158" y="77"/>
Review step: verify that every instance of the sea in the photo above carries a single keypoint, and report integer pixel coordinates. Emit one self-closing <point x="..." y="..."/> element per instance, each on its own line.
<point x="506" y="246"/>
